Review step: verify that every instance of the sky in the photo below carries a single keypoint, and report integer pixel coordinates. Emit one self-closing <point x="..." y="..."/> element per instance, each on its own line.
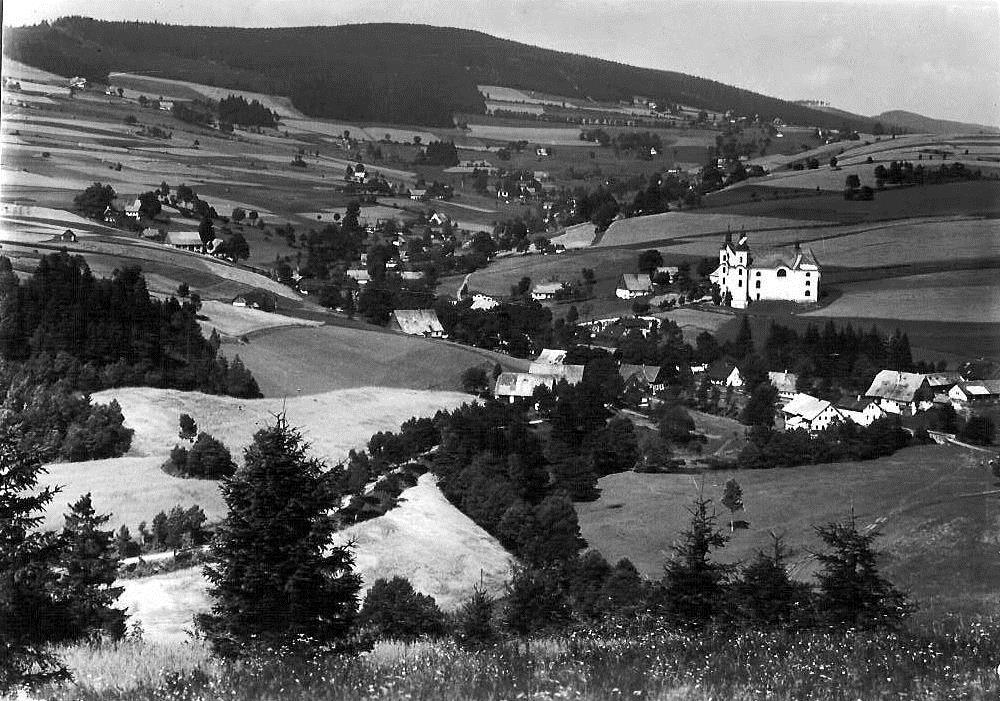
<point x="941" y="59"/>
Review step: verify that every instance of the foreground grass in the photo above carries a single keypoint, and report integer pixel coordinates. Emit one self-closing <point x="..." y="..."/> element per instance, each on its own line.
<point x="950" y="660"/>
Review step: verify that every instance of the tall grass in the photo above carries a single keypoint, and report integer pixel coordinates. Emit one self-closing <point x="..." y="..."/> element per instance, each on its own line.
<point x="946" y="660"/>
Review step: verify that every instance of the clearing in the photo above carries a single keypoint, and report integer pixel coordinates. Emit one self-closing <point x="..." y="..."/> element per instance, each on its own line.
<point x="289" y="361"/>
<point x="658" y="228"/>
<point x="134" y="488"/>
<point x="425" y="539"/>
<point x="935" y="506"/>
<point x="238" y="321"/>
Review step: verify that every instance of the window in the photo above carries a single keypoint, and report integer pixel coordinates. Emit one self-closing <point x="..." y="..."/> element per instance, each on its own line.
<point x="807" y="274"/>
<point x="758" y="295"/>
<point x="758" y="284"/>
<point x="758" y="273"/>
<point x="807" y="283"/>
<point x="782" y="272"/>
<point x="807" y="293"/>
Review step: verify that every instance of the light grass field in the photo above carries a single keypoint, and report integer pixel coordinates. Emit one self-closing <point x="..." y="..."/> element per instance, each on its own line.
<point x="577" y="236"/>
<point x="183" y="89"/>
<point x="309" y="360"/>
<point x="673" y="225"/>
<point x="133" y="488"/>
<point x="237" y="321"/>
<point x="554" y="136"/>
<point x="963" y="295"/>
<point x="425" y="539"/>
<point x="939" y="533"/>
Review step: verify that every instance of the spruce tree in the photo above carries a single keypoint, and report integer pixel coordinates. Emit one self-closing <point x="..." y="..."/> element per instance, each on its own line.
<point x="535" y="601"/>
<point x="474" y="626"/>
<point x="692" y="588"/>
<point x="90" y="562"/>
<point x="275" y="578"/>
<point x="765" y="594"/>
<point x="32" y="609"/>
<point x="851" y="590"/>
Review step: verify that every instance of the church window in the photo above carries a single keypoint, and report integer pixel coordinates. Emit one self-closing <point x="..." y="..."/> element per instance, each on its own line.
<point x="758" y="273"/>
<point x="782" y="272"/>
<point x="807" y="283"/>
<point x="758" y="284"/>
<point x="807" y="274"/>
<point x="807" y="293"/>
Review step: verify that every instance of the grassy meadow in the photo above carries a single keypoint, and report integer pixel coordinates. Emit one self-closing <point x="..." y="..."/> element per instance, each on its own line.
<point x="932" y="504"/>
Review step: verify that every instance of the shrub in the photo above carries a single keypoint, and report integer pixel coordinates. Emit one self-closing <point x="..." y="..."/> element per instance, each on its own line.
<point x="393" y="610"/>
<point x="208" y="458"/>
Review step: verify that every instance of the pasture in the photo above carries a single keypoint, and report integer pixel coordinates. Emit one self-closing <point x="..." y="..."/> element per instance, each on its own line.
<point x="133" y="488"/>
<point x="660" y="228"/>
<point x="232" y="321"/>
<point x="436" y="547"/>
<point x="933" y="506"/>
<point x="290" y="361"/>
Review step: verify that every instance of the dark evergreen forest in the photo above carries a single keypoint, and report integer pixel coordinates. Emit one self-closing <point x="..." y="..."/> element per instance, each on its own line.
<point x="399" y="73"/>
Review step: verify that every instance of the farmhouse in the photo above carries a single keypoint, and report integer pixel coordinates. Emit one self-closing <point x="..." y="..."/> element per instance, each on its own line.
<point x="644" y="378"/>
<point x="776" y="275"/>
<point x="186" y="240"/>
<point x="417" y="322"/>
<point x="785" y="383"/>
<point x="520" y="385"/>
<point x="484" y="302"/>
<point x="418" y="193"/>
<point x="631" y="285"/>
<point x="669" y="271"/>
<point x="546" y="290"/>
<point x="551" y="356"/>
<point x="810" y="413"/>
<point x="901" y="392"/>
<point x="359" y="275"/>
<point x="439" y="219"/>
<point x="573" y="374"/>
<point x="861" y="411"/>
<point x="67" y="236"/>
<point x="965" y="395"/>
<point x="543" y="151"/>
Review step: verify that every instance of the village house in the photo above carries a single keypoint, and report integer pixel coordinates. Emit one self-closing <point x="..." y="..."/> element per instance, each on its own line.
<point x="964" y="396"/>
<point x="152" y="234"/>
<point x="418" y="193"/>
<point x="648" y="379"/>
<point x="551" y="356"/>
<point x="785" y="383"/>
<point x="359" y="275"/>
<point x="543" y="151"/>
<point x="725" y="374"/>
<point x="632" y="285"/>
<point x="668" y="271"/>
<point x="185" y="240"/>
<point x="546" y="290"/>
<point x="810" y="413"/>
<point x="412" y="275"/>
<point x="771" y="275"/>
<point x="417" y="322"/>
<point x="484" y="302"/>
<point x="356" y="173"/>
<point x="903" y="393"/>
<point x="439" y="219"/>
<point x="861" y="411"/>
<point x="573" y="374"/>
<point x="520" y="385"/>
<point x="67" y="236"/>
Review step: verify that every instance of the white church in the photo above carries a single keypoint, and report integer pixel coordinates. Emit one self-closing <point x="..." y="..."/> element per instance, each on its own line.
<point x="791" y="274"/>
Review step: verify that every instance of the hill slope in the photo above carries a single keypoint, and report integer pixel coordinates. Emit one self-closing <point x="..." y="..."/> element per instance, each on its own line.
<point x="386" y="72"/>
<point x="914" y="122"/>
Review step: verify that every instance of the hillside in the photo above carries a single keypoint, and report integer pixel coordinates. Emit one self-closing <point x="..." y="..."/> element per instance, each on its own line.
<point x="389" y="72"/>
<point x="914" y="122"/>
<point x="425" y="539"/>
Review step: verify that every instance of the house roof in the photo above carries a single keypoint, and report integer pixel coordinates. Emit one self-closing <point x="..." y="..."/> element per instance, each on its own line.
<point x="418" y="321"/>
<point x="634" y="282"/>
<point x="803" y="259"/>
<point x="783" y="381"/>
<point x="720" y="370"/>
<point x="549" y="288"/>
<point x="573" y="374"/>
<point x="521" y="384"/>
<point x="359" y="274"/>
<point x="551" y="356"/>
<point x="806" y="406"/>
<point x="646" y="373"/>
<point x="183" y="238"/>
<point x="943" y="379"/>
<point x="895" y="385"/>
<point x="980" y="388"/>
<point x="858" y="404"/>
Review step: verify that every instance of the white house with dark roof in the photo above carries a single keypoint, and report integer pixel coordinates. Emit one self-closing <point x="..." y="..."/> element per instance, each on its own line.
<point x="810" y="413"/>
<point x="632" y="285"/>
<point x="965" y="395"/>
<point x="792" y="275"/>
<point x="861" y="411"/>
<point x="901" y="392"/>
<point x="417" y="322"/>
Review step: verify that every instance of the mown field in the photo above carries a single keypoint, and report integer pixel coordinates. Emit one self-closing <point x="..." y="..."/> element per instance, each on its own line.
<point x="133" y="488"/>
<point x="934" y="505"/>
<point x="290" y="361"/>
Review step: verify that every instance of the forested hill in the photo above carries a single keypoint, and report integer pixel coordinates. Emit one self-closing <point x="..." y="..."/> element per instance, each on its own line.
<point x="381" y="72"/>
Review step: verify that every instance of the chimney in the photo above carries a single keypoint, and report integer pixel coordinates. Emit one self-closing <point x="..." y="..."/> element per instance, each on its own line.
<point x="729" y="236"/>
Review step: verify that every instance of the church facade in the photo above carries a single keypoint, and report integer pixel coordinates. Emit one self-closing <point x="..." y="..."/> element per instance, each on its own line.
<point x="743" y="277"/>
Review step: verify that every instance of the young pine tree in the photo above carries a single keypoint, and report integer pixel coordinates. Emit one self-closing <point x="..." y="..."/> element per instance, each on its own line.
<point x="474" y="627"/>
<point x="692" y="588"/>
<point x="275" y="578"/>
<point x="29" y="581"/>
<point x="851" y="590"/>
<point x="90" y="562"/>
<point x="765" y="595"/>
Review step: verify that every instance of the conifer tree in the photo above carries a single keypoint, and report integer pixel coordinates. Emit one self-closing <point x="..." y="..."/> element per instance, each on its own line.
<point x="90" y="562"/>
<point x="765" y="594"/>
<point x="275" y="578"/>
<point x="692" y="588"/>
<point x="535" y="602"/>
<point x="851" y="590"/>
<point x="29" y="581"/>
<point x="475" y="627"/>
